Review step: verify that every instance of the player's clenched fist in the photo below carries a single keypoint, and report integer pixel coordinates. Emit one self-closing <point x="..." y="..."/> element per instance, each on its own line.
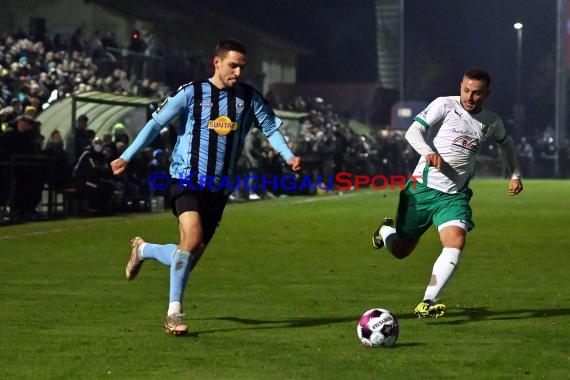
<point x="434" y="159"/>
<point x="118" y="166"/>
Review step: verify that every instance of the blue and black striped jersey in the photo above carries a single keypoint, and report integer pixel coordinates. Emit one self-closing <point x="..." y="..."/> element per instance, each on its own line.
<point x="213" y="126"/>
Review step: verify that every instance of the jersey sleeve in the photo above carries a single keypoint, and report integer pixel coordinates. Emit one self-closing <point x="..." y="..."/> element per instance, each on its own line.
<point x="430" y="116"/>
<point x="499" y="132"/>
<point x="415" y="136"/>
<point x="170" y="108"/>
<point x="266" y="119"/>
<point x="167" y="111"/>
<point x="433" y="113"/>
<point x="143" y="139"/>
<point x="269" y="124"/>
<point x="507" y="148"/>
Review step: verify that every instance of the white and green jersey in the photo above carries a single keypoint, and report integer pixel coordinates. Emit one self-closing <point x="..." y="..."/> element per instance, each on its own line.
<point x="457" y="135"/>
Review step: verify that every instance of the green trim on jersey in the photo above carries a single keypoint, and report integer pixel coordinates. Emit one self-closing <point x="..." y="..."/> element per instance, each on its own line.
<point x="422" y="122"/>
<point x="425" y="173"/>
<point x="421" y="206"/>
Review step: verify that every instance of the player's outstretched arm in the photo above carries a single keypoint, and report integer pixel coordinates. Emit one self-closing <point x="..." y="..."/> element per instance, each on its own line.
<point x="415" y="136"/>
<point x="509" y="155"/>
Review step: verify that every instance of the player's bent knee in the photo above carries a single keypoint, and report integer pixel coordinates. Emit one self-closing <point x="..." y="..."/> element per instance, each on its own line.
<point x="401" y="255"/>
<point x="454" y="242"/>
<point x="452" y="234"/>
<point x="403" y="248"/>
<point x="190" y="245"/>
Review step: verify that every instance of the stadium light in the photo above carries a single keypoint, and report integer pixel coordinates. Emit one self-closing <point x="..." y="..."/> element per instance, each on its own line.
<point x="518" y="109"/>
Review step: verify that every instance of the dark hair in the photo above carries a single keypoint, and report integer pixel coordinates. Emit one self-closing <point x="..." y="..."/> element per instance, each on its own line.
<point x="478" y="74"/>
<point x="225" y="46"/>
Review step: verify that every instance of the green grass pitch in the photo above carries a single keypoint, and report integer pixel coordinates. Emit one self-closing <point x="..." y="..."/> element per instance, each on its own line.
<point x="281" y="288"/>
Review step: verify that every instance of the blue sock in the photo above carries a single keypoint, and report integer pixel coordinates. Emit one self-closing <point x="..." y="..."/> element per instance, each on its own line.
<point x="161" y="252"/>
<point x="179" y="274"/>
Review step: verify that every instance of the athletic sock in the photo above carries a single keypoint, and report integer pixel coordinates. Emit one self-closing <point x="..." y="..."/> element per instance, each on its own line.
<point x="388" y="234"/>
<point x="179" y="274"/>
<point x="174" y="307"/>
<point x="161" y="252"/>
<point x="442" y="270"/>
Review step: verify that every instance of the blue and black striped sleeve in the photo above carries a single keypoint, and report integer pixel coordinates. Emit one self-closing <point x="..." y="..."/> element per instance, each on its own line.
<point x="167" y="111"/>
<point x="269" y="124"/>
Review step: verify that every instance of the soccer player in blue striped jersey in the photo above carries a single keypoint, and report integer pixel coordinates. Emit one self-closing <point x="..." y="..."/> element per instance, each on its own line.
<point x="215" y="116"/>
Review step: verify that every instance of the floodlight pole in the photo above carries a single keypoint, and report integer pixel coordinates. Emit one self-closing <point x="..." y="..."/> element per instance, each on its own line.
<point x="402" y="51"/>
<point x="560" y="121"/>
<point x="518" y="109"/>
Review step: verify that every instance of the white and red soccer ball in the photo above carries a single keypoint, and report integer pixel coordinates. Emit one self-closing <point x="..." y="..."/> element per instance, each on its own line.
<point x="378" y="328"/>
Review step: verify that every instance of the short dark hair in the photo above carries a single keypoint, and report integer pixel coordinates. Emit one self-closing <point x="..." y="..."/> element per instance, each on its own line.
<point x="225" y="46"/>
<point x="478" y="74"/>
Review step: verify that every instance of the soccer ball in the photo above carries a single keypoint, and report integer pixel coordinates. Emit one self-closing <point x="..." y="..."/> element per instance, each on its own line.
<point x="378" y="328"/>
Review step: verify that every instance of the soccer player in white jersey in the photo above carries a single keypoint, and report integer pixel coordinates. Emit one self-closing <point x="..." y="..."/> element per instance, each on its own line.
<point x="448" y="135"/>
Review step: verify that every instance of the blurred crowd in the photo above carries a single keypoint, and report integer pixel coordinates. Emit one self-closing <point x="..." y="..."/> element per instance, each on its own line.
<point x="328" y="145"/>
<point x="536" y="155"/>
<point x="36" y="73"/>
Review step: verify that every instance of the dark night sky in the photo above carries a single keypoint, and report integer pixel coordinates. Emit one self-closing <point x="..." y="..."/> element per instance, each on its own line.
<point x="462" y="34"/>
<point x="480" y="33"/>
<point x="339" y="34"/>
